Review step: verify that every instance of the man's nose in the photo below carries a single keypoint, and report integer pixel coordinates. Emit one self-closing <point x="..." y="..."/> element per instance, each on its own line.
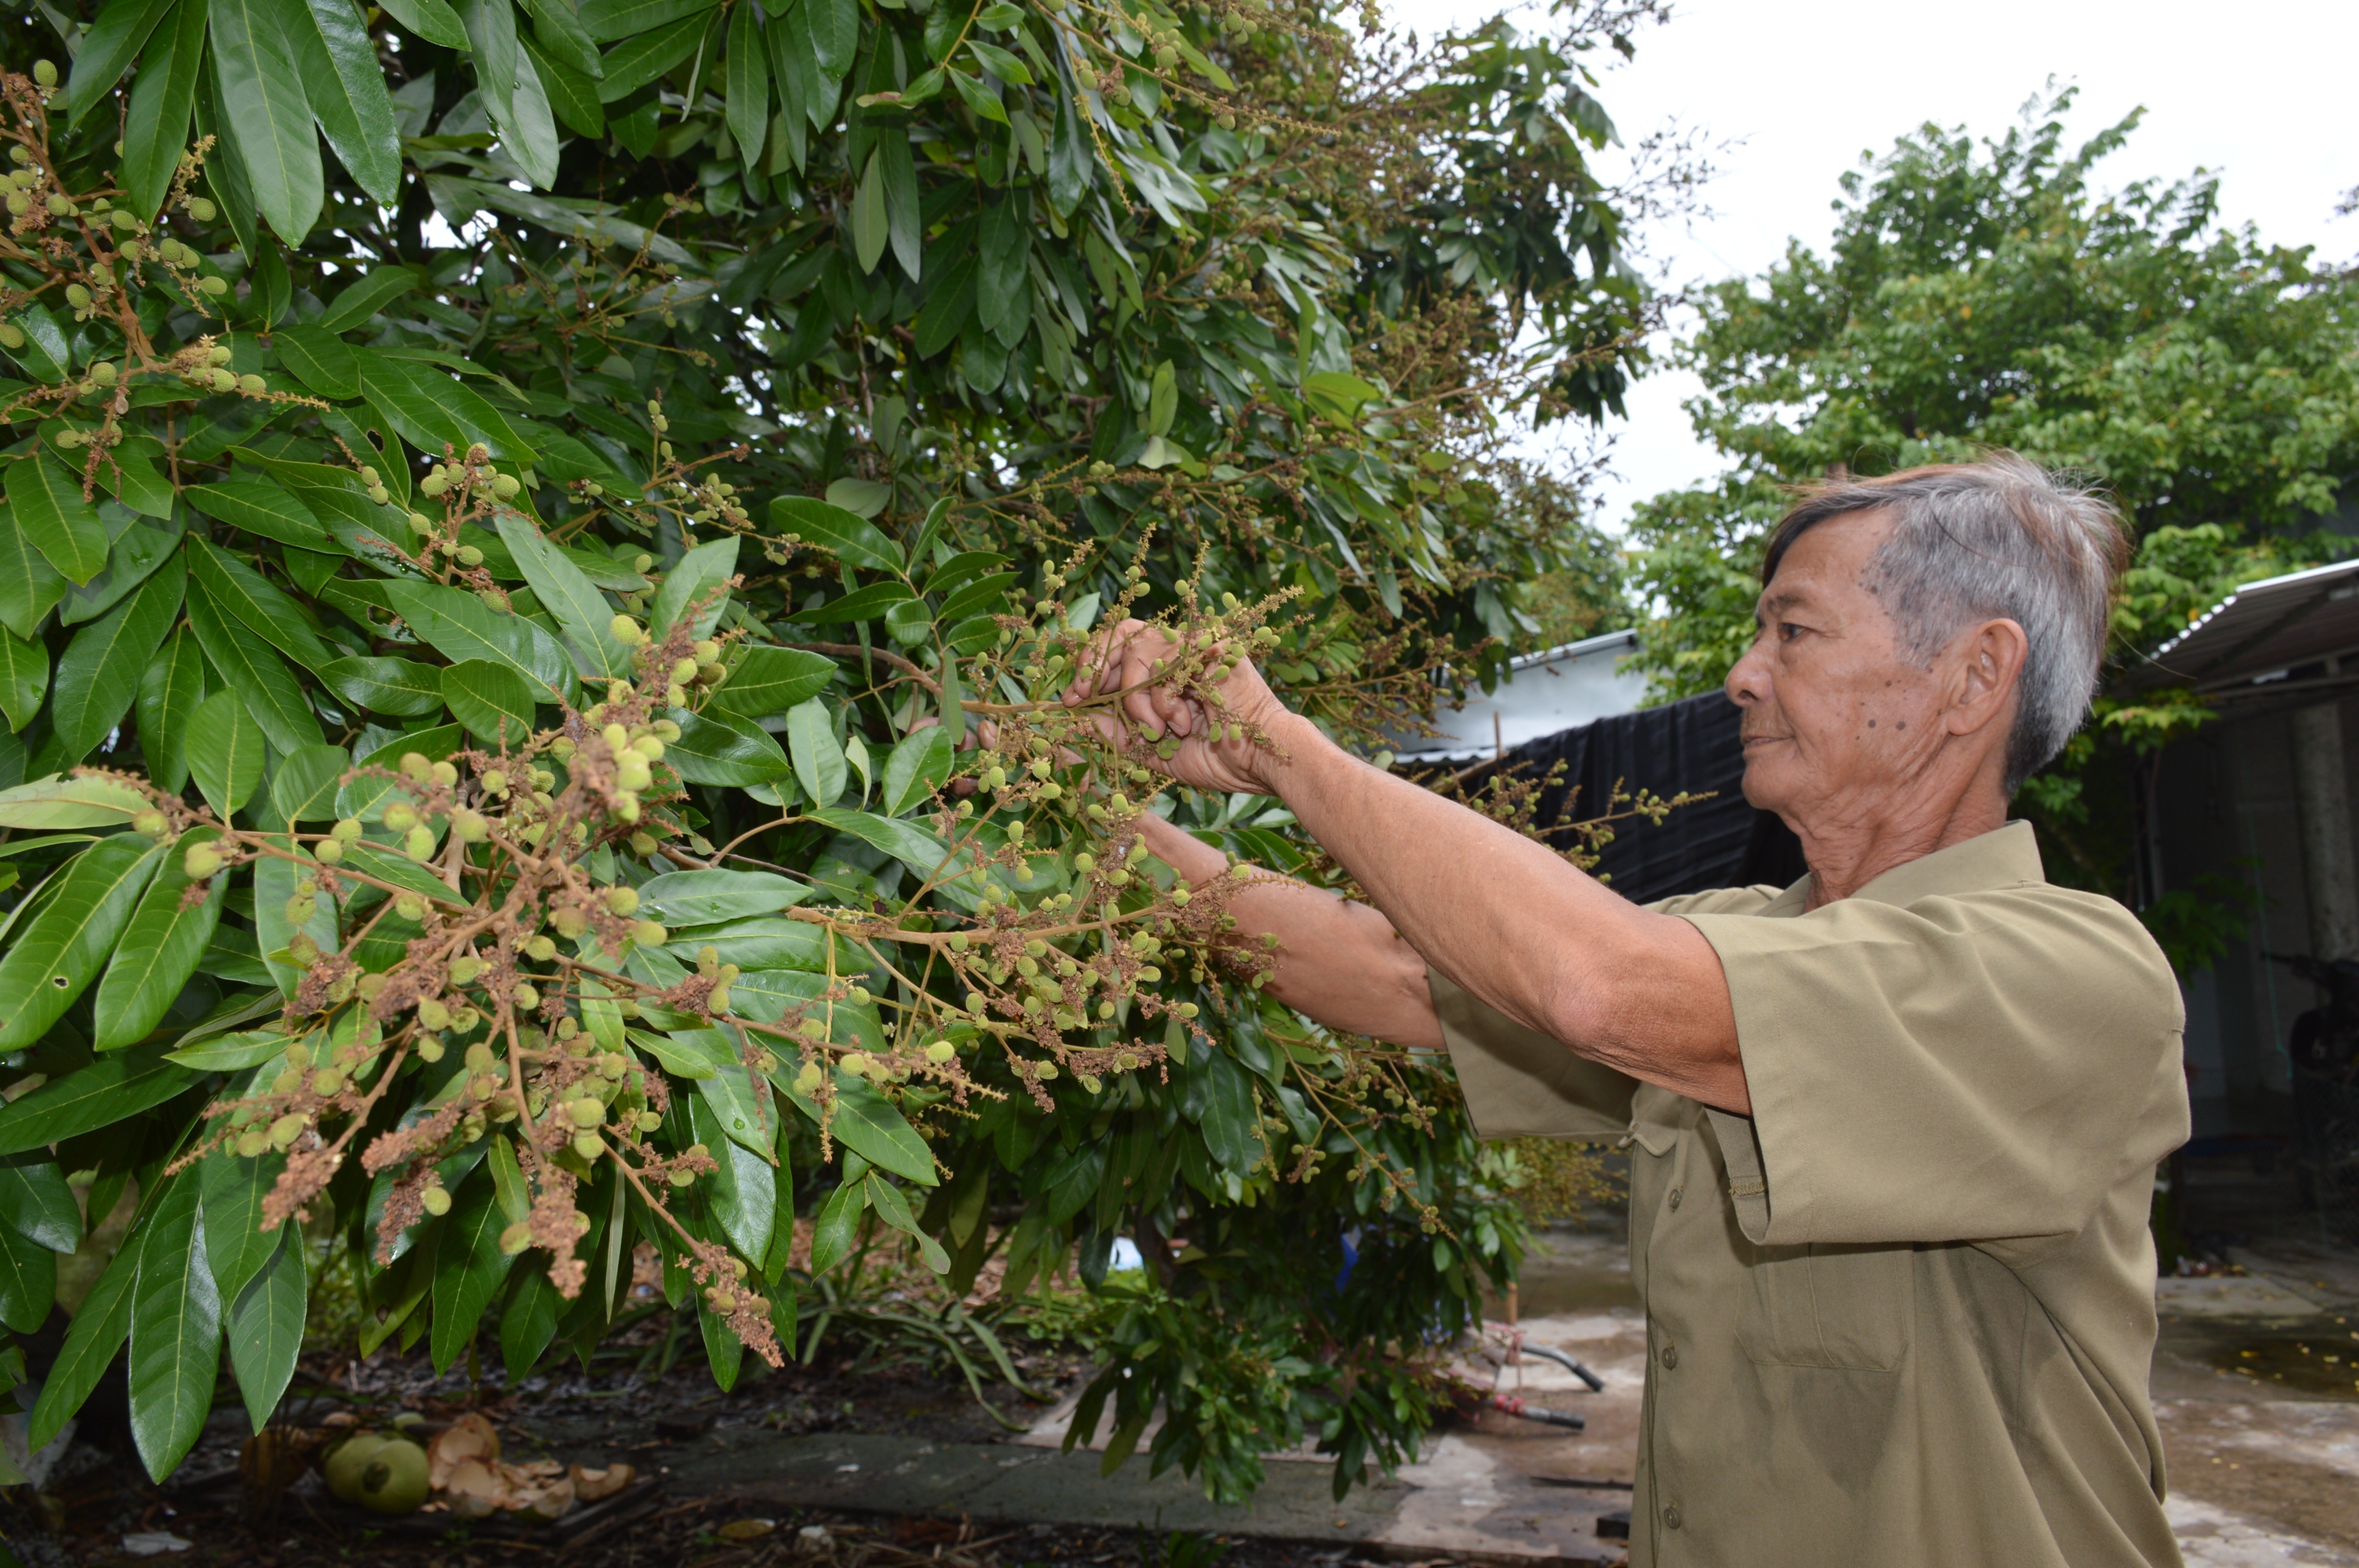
<point x="1748" y="680"/>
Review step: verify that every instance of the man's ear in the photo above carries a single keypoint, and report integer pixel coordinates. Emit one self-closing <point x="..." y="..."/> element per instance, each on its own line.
<point x="1987" y="668"/>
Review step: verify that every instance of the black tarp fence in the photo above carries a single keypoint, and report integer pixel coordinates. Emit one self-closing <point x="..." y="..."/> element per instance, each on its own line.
<point x="1690" y="746"/>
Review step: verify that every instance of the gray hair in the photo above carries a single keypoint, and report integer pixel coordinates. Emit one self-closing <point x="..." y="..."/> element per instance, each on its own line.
<point x="1999" y="538"/>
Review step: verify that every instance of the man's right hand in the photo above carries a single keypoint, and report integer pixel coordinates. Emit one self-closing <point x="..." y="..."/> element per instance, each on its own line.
<point x="1132" y="658"/>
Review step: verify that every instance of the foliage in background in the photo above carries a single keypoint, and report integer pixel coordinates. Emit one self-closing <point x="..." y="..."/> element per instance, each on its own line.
<point x="1991" y="295"/>
<point x="531" y="820"/>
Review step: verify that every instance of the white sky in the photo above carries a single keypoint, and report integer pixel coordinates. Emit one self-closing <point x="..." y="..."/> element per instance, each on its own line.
<point x="1808" y="85"/>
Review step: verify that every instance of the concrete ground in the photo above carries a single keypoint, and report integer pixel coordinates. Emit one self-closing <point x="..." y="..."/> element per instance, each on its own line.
<point x="2255" y="1382"/>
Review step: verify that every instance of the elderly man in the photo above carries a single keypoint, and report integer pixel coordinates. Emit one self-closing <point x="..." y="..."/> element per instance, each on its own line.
<point x="1893" y="1129"/>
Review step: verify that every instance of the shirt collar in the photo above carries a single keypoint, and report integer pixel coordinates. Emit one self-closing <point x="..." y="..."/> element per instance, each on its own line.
<point x="2000" y="857"/>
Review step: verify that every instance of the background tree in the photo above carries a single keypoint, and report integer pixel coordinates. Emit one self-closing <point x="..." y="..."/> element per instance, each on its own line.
<point x="535" y="638"/>
<point x="1991" y="295"/>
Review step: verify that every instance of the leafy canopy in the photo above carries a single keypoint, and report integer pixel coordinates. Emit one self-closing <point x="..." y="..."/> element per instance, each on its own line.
<point x="535" y="637"/>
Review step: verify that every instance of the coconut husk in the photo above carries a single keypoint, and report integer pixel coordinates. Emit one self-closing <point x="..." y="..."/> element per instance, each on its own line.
<point x="475" y="1489"/>
<point x="596" y="1485"/>
<point x="544" y="1503"/>
<point x="470" y="1437"/>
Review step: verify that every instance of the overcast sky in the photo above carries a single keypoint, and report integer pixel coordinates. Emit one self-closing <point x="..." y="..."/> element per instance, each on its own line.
<point x="2263" y="97"/>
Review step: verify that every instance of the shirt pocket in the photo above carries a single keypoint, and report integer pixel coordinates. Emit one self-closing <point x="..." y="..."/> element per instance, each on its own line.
<point x="1850" y="1308"/>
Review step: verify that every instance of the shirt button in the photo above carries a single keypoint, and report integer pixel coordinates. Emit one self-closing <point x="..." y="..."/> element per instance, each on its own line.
<point x="1676" y="1194"/>
<point x="1670" y="1355"/>
<point x="1672" y="1516"/>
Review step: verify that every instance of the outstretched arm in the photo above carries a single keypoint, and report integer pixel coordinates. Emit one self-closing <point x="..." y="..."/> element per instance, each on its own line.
<point x="1336" y="962"/>
<point x="1507" y="919"/>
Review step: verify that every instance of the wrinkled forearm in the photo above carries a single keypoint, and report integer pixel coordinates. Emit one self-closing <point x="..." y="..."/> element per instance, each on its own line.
<point x="1516" y="924"/>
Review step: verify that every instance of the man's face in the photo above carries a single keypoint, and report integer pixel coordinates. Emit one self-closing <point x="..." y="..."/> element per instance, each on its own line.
<point x="1836" y="714"/>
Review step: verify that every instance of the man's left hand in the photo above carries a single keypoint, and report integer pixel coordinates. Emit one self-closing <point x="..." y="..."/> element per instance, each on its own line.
<point x="1133" y="658"/>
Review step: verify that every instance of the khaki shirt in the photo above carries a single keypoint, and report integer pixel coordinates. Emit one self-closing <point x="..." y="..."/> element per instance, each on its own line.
<point x="1904" y="1313"/>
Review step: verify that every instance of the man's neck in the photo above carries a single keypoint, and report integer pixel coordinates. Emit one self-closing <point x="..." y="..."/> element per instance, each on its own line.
<point x="1845" y="856"/>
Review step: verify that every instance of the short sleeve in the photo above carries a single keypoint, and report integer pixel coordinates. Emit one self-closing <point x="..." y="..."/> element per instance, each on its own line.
<point x="1519" y="1083"/>
<point x="1977" y="1068"/>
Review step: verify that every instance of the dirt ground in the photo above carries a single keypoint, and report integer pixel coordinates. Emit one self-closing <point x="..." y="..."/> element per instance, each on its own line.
<point x="2255" y="1382"/>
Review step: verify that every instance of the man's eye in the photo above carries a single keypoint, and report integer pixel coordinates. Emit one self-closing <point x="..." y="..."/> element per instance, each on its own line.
<point x="1788" y="630"/>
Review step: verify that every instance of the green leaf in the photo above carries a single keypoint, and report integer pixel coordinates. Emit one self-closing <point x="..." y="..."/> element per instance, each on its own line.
<point x="562" y="35"/>
<point x="507" y="1180"/>
<point x="708" y="898"/>
<point x="1336" y="395"/>
<point x="870" y="226"/>
<point x="321" y="362"/>
<point x="919" y="765"/>
<point x="113" y="1086"/>
<point x="225" y="748"/>
<point x="1001" y="63"/>
<point x="50" y="962"/>
<point x="400" y="687"/>
<point x="744" y="1192"/>
<point x="304" y="787"/>
<point x="99" y="674"/>
<point x="838" y="1218"/>
<point x="491" y="700"/>
<point x="28" y="1282"/>
<point x="433" y="20"/>
<point x="253" y="669"/>
<point x="232" y="1052"/>
<point x="263" y="606"/>
<point x="771" y="680"/>
<point x="722" y="749"/>
<point x="870" y="1127"/>
<point x="748" y="80"/>
<point x="529" y="1322"/>
<point x="640" y="58"/>
<point x="266" y="109"/>
<point x="158" y="953"/>
<point x="569" y="595"/>
<point x="97" y="1332"/>
<point x="230" y="1190"/>
<point x="679" y="1061"/>
<point x="572" y="96"/>
<point x="265" y="1326"/>
<point x="817" y="754"/>
<point x="30" y="587"/>
<point x="1073" y="155"/>
<point x="860" y="604"/>
<point x="905" y="842"/>
<point x="698" y="573"/>
<point x="978" y="95"/>
<point x="24" y="678"/>
<point x="347" y="92"/>
<point x="529" y="132"/>
<point x="469" y="1268"/>
<point x="949" y="302"/>
<point x="169" y="690"/>
<point x="175" y="1332"/>
<point x="1162" y="400"/>
<point x="363" y="300"/>
<point x="1002" y="278"/>
<point x="842" y="533"/>
<point x="432" y="410"/>
<point x="70" y="802"/>
<point x="106" y="51"/>
<point x="1230" y="1119"/>
<point x="274" y="883"/>
<point x="606" y="20"/>
<point x="460" y="627"/>
<point x="48" y="502"/>
<point x="38" y="1205"/>
<point x="156" y="122"/>
<point x="139" y="552"/>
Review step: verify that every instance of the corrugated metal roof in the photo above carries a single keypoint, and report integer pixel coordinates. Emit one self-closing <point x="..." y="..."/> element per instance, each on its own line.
<point x="2262" y="631"/>
<point x="1555" y="689"/>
